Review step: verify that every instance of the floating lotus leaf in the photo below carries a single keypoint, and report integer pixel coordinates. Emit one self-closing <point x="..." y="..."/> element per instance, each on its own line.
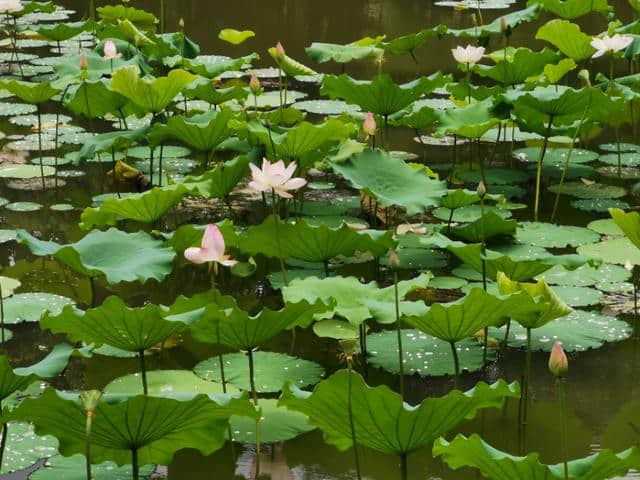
<point x="492" y="463"/>
<point x="598" y="205"/>
<point x="313" y="243"/>
<point x="155" y="427"/>
<point x="355" y="301"/>
<point x="151" y="95"/>
<point x="579" y="296"/>
<point x="108" y="142"/>
<point x="176" y="384"/>
<point x="381" y="95"/>
<point x="24" y="448"/>
<point x="423" y="354"/>
<point x="114" y="324"/>
<point x="586" y="275"/>
<point x="519" y="65"/>
<point x="207" y="68"/>
<point x="277" y="424"/>
<point x="201" y="132"/>
<point x="630" y="159"/>
<point x="23" y="206"/>
<point x="591" y="191"/>
<point x="549" y="235"/>
<point x="382" y="421"/>
<point x="202" y="89"/>
<point x="11" y="109"/>
<point x="494" y="176"/>
<point x="144" y="152"/>
<point x="391" y="181"/>
<point x="68" y="66"/>
<point x="336" y="329"/>
<point x="447" y="283"/>
<point x="73" y="468"/>
<point x="325" y="52"/>
<point x="571" y="9"/>
<point x="568" y="38"/>
<point x="117" y="255"/>
<point x="573" y="172"/>
<point x="623" y="147"/>
<point x="24" y="171"/>
<point x="488" y="226"/>
<point x="470" y="121"/>
<point x="235" y="37"/>
<point x="326" y="107"/>
<point x="272" y="371"/>
<point x="29" y="307"/>
<point x="605" y="226"/>
<point x="469" y="213"/>
<point x="615" y="250"/>
<point x="418" y="258"/>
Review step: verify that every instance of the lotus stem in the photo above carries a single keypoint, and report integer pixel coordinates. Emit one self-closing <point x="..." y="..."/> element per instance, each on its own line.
<point x="399" y="333"/>
<point x="495" y="147"/>
<point x="539" y="171"/>
<point x="161" y="16"/>
<point x="351" y="422"/>
<point x="506" y="336"/>
<point x="363" y="349"/>
<point x="14" y="38"/>
<point x="92" y="285"/>
<point x="1" y="333"/>
<point x="3" y="442"/>
<point x="135" y="469"/>
<point x="87" y="444"/>
<point x="563" y="425"/>
<point x="276" y="221"/>
<point x="143" y="372"/>
<point x="456" y="365"/>
<point x="254" y="395"/>
<point x="160" y="163"/>
<point x="280" y="84"/>
<point x="151" y="166"/>
<point x="386" y="131"/>
<point x="450" y="220"/>
<point x="404" y="471"/>
<point x="619" y="153"/>
<point x="527" y="375"/>
<point x="38" y="110"/>
<point x="455" y="155"/>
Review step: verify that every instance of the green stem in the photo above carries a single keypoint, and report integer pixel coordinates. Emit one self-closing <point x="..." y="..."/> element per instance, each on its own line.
<point x="276" y="221"/>
<point x="527" y="376"/>
<point x="135" y="469"/>
<point x="38" y="107"/>
<point x="456" y="365"/>
<point x="143" y="372"/>
<point x="87" y="444"/>
<point x="404" y="471"/>
<point x="1" y="324"/>
<point x="539" y="172"/>
<point x="3" y="442"/>
<point x="92" y="284"/>
<point x="351" y="422"/>
<point x="563" y="426"/>
<point x="254" y="395"/>
<point x="399" y="333"/>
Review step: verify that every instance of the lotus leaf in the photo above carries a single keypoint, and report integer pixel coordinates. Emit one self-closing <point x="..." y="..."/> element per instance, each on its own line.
<point x="571" y="9"/>
<point x="202" y="132"/>
<point x="554" y="236"/>
<point x="471" y="121"/>
<point x="488" y="226"/>
<point x="518" y="67"/>
<point x="73" y="468"/>
<point x="586" y="275"/>
<point x="590" y="191"/>
<point x="235" y="37"/>
<point x="325" y="52"/>
<point x="32" y="93"/>
<point x="29" y="307"/>
<point x="568" y="38"/>
<point x="619" y="250"/>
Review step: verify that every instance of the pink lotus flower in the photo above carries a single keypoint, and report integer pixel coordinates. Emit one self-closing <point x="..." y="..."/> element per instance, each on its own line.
<point x="10" y="6"/>
<point x="280" y="53"/>
<point x="110" y="51"/>
<point x="211" y="249"/>
<point x="558" y="363"/>
<point x="369" y="126"/>
<point x="84" y="62"/>
<point x="275" y="177"/>
<point x="469" y="54"/>
<point x="254" y="84"/>
<point x="610" y="44"/>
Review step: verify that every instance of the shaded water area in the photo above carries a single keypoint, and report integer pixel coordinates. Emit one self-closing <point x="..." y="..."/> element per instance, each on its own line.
<point x="603" y="390"/>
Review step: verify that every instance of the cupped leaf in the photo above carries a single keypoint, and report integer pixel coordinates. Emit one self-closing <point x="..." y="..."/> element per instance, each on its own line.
<point x="202" y="132"/>
<point x="117" y="255"/>
<point x="109" y="142"/>
<point x="382" y="421"/>
<point x="235" y="37"/>
<point x="629" y="223"/>
<point x="568" y="38"/>
<point x="488" y="226"/>
<point x="217" y="182"/>
<point x="325" y="52"/>
<point x="94" y="99"/>
<point x="61" y="31"/>
<point x="517" y="66"/>
<point x="470" y="121"/>
<point x="113" y="13"/>
<point x="33" y="93"/>
<point x="571" y="9"/>
<point x="210" y="69"/>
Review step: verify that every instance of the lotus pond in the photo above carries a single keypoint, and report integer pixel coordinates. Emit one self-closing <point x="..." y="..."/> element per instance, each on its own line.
<point x="361" y="240"/>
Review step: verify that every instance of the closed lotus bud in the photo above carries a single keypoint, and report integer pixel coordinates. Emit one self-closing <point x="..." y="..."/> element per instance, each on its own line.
<point x="583" y="75"/>
<point x="394" y="260"/>
<point x="84" y="62"/>
<point x="369" y="126"/>
<point x="280" y="53"/>
<point x="481" y="190"/>
<point x="254" y="84"/>
<point x="628" y="265"/>
<point x="349" y="348"/>
<point x="474" y="20"/>
<point x="181" y="24"/>
<point x="503" y="25"/>
<point x="558" y="363"/>
<point x="90" y="400"/>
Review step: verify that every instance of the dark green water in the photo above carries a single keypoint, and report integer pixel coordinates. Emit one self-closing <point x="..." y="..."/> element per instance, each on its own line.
<point x="603" y="391"/>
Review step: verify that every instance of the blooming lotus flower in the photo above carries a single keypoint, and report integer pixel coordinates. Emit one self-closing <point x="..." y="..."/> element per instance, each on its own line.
<point x="10" y="6"/>
<point x="558" y="363"/>
<point x="610" y="44"/>
<point x="275" y="177"/>
<point x="211" y="249"/>
<point x="469" y="55"/>
<point x="110" y="51"/>
<point x="369" y="125"/>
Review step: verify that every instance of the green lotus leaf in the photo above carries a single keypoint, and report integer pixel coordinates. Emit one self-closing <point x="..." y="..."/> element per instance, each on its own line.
<point x="114" y="324"/>
<point x="235" y="37"/>
<point x="210" y="69"/>
<point x="156" y="428"/>
<point x="109" y="142"/>
<point x="488" y="226"/>
<point x="357" y="302"/>
<point x="176" y="384"/>
<point x="73" y="468"/>
<point x="567" y="37"/>
<point x="391" y="181"/>
<point x="60" y="32"/>
<point x="336" y="329"/>
<point x="117" y="255"/>
<point x="459" y="198"/>
<point x="290" y="66"/>
<point x="325" y="52"/>
<point x="201" y="132"/>
<point x="272" y="370"/>
<point x="35" y="7"/>
<point x="381" y="95"/>
<point x="410" y="43"/>
<point x="312" y="243"/>
<point x="494" y="176"/>
<point x="579" y="296"/>
<point x="69" y="71"/>
<point x="24" y="171"/>
<point x="29" y="92"/>
<point x="113" y="13"/>
<point x="571" y="9"/>
<point x="455" y="321"/>
<point x="629" y="159"/>
<point x="202" y="89"/>
<point x="549" y="235"/>
<point x="519" y="65"/>
<point x="619" y="250"/>
<point x="590" y="191"/>
<point x="606" y="226"/>
<point x="537" y="307"/>
<point x="29" y="307"/>
<point x="598" y="205"/>
<point x="511" y="20"/>
<point x="24" y="448"/>
<point x="382" y="421"/>
<point x="419" y="115"/>
<point x="217" y="182"/>
<point x="629" y="223"/>
<point x="151" y="95"/>
<point x="277" y="424"/>
<point x="554" y="73"/>
<point x="8" y="285"/>
<point x="94" y="99"/>
<point x="471" y="121"/>
<point x="586" y="275"/>
<point x="556" y="157"/>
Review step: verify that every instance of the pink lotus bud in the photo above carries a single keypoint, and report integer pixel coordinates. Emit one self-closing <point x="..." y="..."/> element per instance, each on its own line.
<point x="181" y="24"/>
<point x="110" y="50"/>
<point x="394" y="260"/>
<point x="254" y="84"/>
<point x="503" y="25"/>
<point x="482" y="189"/>
<point x="558" y="363"/>
<point x="84" y="62"/>
<point x="369" y="125"/>
<point x="280" y="53"/>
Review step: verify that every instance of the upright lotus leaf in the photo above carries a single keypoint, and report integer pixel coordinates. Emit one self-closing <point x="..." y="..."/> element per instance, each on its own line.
<point x="146" y="207"/>
<point x="109" y="142"/>
<point x="326" y="52"/>
<point x="94" y="99"/>
<point x="486" y="227"/>
<point x="235" y="37"/>
<point x="357" y="302"/>
<point x="115" y="324"/>
<point x="497" y="465"/>
<point x="391" y="181"/>
<point x="119" y="256"/>
<point x="129" y="32"/>
<point x="203" y="89"/>
<point x="30" y="92"/>
<point x="202" y="132"/>
<point x="152" y="95"/>
<point x="59" y="32"/>
<point x="471" y="121"/>
<point x="313" y="243"/>
<point x="459" y="198"/>
<point x="420" y="115"/>
<point x="553" y="73"/>
<point x="518" y="66"/>
<point x="382" y="421"/>
<point x="629" y="223"/>
<point x="69" y="71"/>
<point x="511" y="20"/>
<point x="217" y="182"/>
<point x="35" y="7"/>
<point x="381" y="95"/>
<point x="493" y="262"/>
<point x="455" y="321"/>
<point x="568" y="38"/>
<point x="210" y="69"/>
<point x="141" y="18"/>
<point x="408" y="44"/>
<point x="571" y="9"/>
<point x="538" y="307"/>
<point x="290" y="66"/>
<point x="155" y="428"/>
